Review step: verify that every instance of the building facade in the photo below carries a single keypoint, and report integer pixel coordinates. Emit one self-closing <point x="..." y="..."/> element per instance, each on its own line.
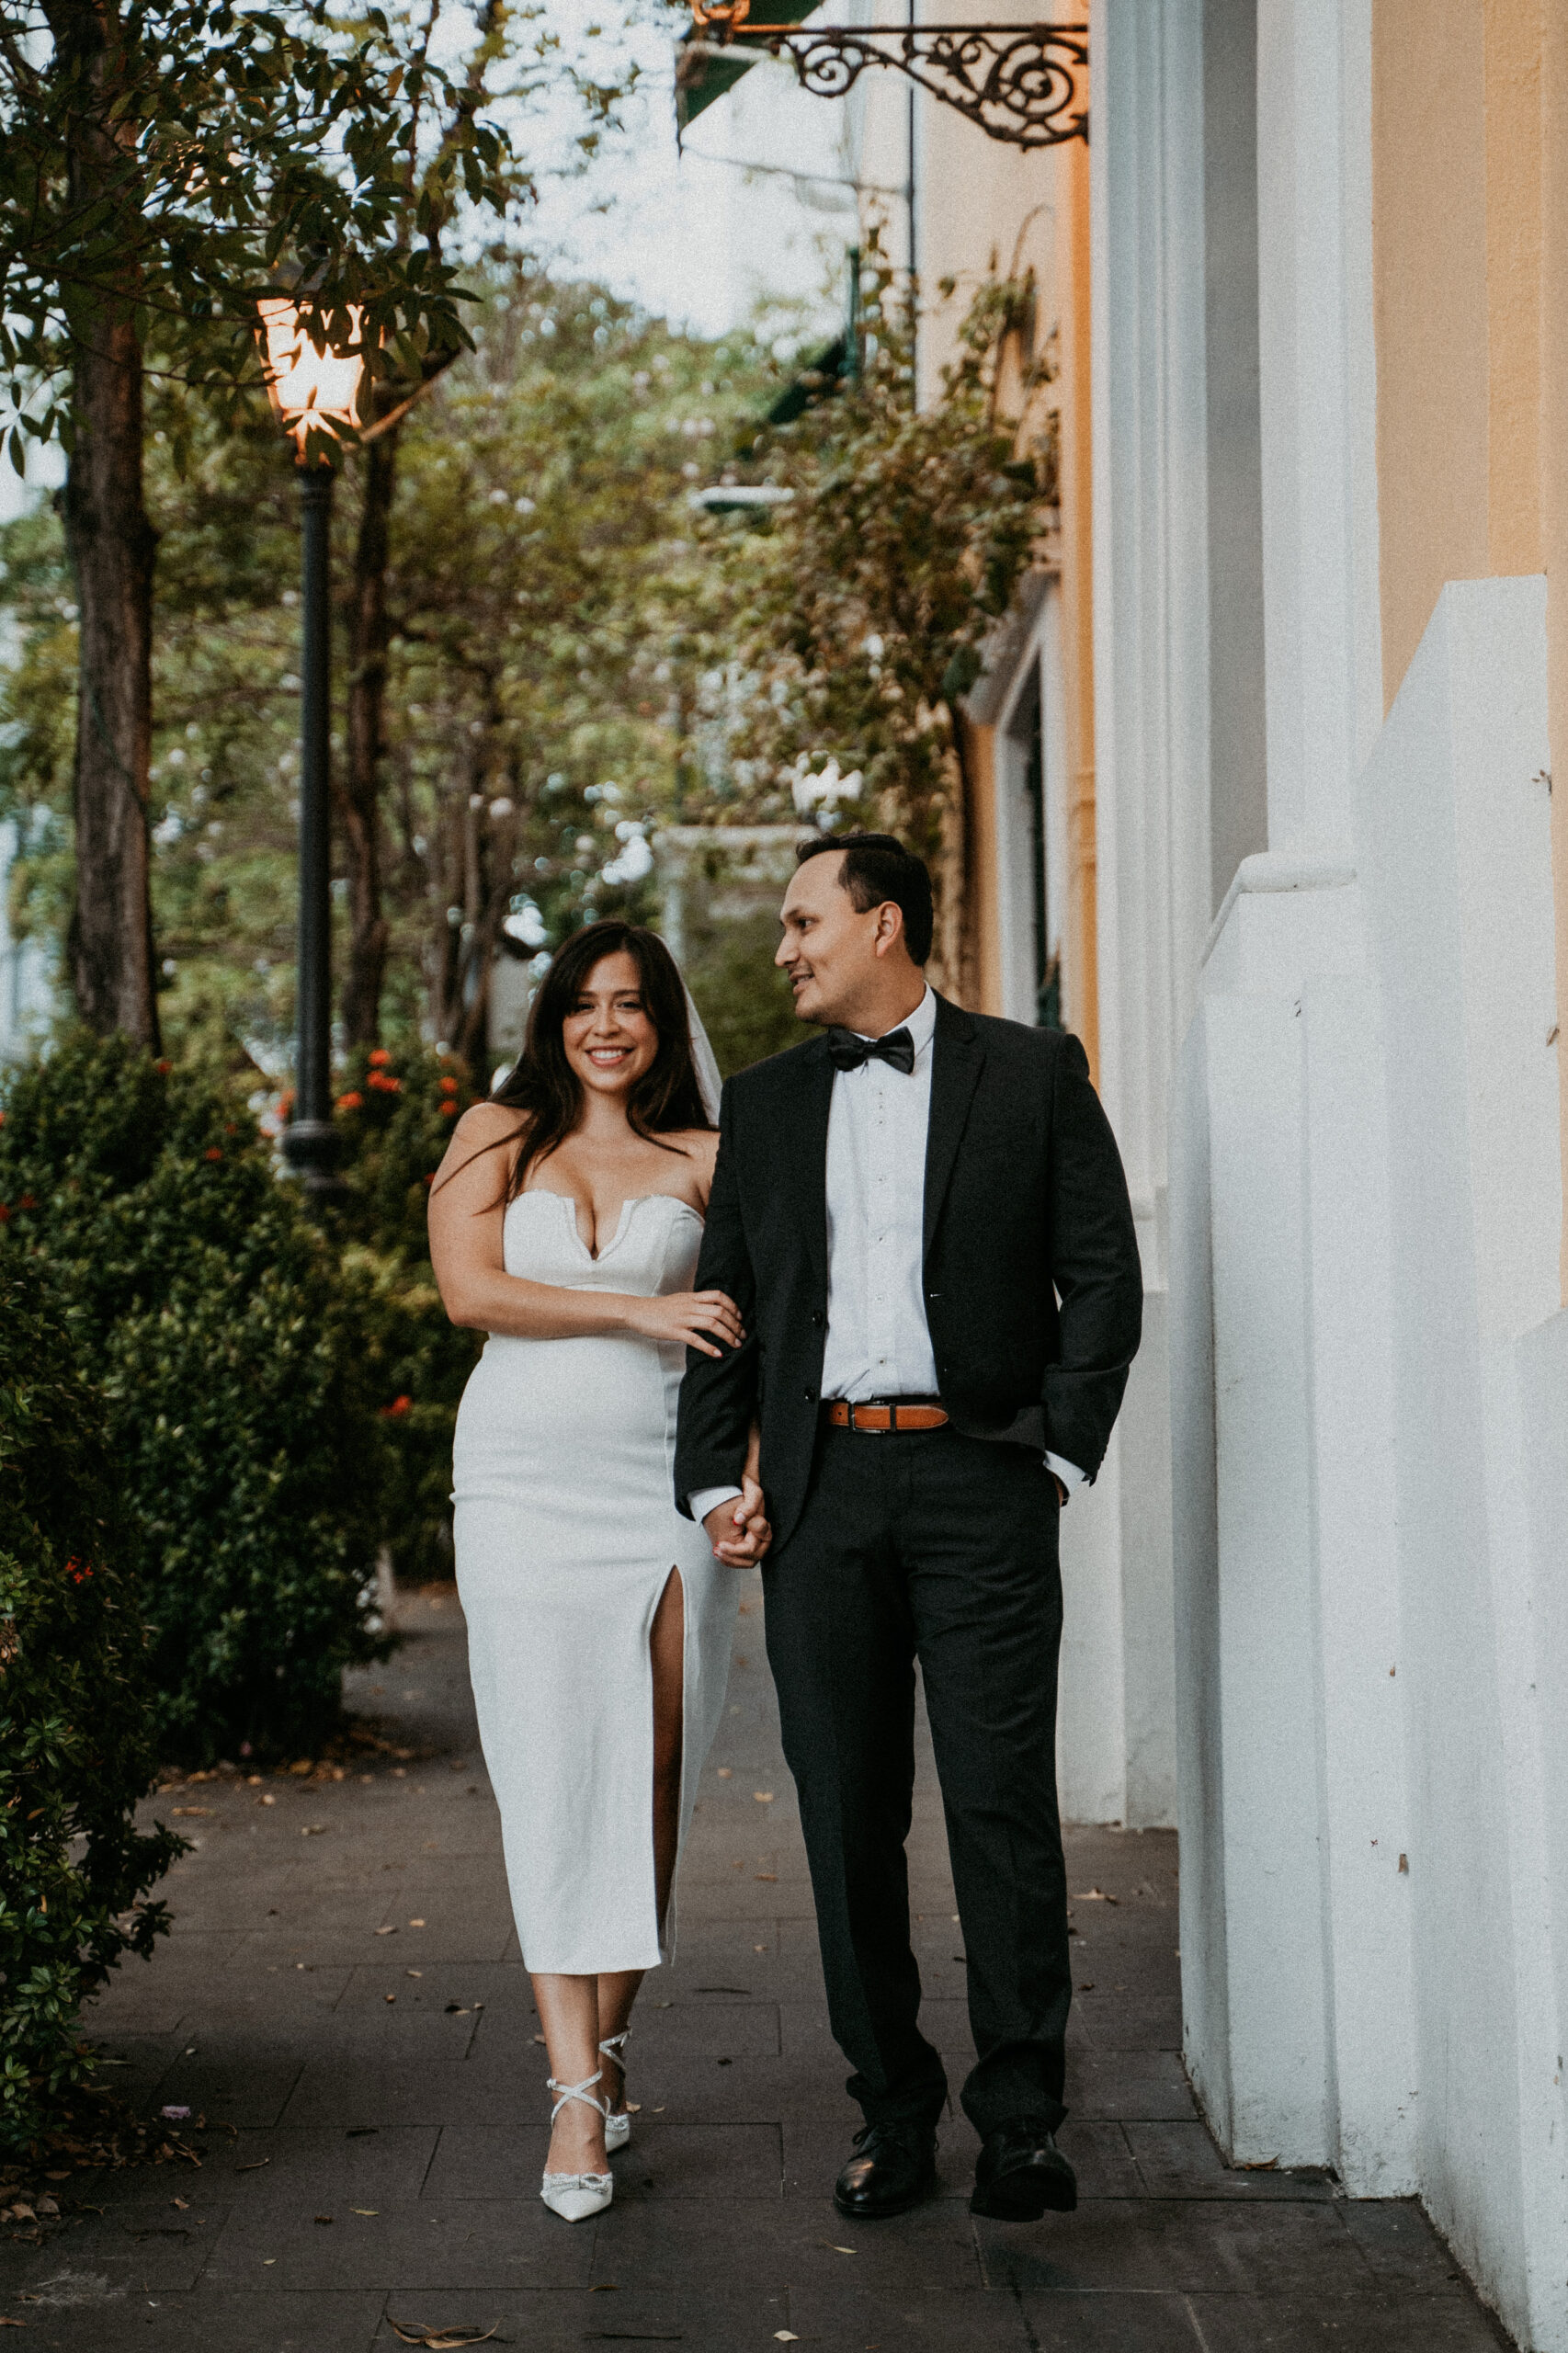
<point x="1263" y="772"/>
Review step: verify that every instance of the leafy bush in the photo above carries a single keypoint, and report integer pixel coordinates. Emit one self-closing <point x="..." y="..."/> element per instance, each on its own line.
<point x="239" y="1371"/>
<point x="396" y="1114"/>
<point x="77" y="1745"/>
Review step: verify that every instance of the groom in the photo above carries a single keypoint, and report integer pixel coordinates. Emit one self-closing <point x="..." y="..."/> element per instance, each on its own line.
<point x="922" y="1216"/>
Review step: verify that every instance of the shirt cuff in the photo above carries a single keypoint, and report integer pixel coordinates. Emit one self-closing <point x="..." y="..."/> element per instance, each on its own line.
<point x="1068" y="1473"/>
<point x="706" y="1499"/>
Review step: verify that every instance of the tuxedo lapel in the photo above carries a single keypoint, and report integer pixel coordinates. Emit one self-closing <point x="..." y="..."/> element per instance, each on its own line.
<point x="957" y="1060"/>
<point x="802" y="1151"/>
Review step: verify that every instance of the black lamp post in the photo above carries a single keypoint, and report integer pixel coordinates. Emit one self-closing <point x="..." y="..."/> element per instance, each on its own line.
<point x="315" y="396"/>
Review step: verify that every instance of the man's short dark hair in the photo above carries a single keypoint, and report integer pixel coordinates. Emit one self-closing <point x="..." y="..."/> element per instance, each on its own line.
<point x="876" y="868"/>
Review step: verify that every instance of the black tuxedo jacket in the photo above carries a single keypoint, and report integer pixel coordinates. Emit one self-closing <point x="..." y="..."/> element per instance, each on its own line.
<point x="1034" y="1295"/>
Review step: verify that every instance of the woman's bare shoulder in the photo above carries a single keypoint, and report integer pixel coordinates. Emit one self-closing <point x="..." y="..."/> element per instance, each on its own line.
<point x="488" y="1122"/>
<point x="702" y="1144"/>
<point x="701" y="1147"/>
<point x="483" y="1133"/>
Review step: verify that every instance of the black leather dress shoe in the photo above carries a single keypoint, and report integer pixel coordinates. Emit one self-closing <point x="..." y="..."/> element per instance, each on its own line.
<point x="895" y="2167"/>
<point x="1020" y="2174"/>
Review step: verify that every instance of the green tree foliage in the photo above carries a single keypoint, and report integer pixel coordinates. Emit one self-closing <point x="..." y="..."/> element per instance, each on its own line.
<point x="162" y="162"/>
<point x="533" y="711"/>
<point x="76" y="1724"/>
<point x="175" y="154"/>
<point x="836" y="632"/>
<point x="240" y="1372"/>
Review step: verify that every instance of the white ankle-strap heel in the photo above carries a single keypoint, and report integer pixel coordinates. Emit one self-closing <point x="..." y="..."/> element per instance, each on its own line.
<point x="575" y="2195"/>
<point x="618" y="2127"/>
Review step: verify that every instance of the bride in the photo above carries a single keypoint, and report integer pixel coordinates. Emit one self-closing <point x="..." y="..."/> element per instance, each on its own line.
<point x="565" y="1222"/>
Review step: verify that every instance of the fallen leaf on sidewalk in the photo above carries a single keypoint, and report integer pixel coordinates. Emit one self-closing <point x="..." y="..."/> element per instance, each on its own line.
<point x="785" y="2336"/>
<point x="386" y="1932"/>
<point x="725" y="1772"/>
<point x="11" y="2324"/>
<point x="763" y="1797"/>
<point x="769" y="1879"/>
<point x="1094" y="1895"/>
<point x="254" y="2166"/>
<point x="364" y="2209"/>
<point x="440" y="2339"/>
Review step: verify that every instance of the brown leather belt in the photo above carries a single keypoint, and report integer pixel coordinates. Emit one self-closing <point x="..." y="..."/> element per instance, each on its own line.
<point x="879" y="1420"/>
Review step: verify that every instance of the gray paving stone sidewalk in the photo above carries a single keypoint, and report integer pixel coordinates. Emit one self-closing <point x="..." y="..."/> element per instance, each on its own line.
<point x="342" y="2003"/>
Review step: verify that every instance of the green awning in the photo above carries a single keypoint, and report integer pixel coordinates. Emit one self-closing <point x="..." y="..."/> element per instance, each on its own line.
<point x="704" y="71"/>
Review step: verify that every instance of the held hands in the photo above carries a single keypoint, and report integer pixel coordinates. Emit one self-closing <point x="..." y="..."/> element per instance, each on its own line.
<point x="739" y="1531"/>
<point x="683" y="1319"/>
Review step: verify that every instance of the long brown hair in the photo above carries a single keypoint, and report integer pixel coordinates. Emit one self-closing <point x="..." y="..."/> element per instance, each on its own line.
<point x="546" y="1090"/>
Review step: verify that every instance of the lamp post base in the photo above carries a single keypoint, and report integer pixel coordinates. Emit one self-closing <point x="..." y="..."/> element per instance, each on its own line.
<point x="311" y="1149"/>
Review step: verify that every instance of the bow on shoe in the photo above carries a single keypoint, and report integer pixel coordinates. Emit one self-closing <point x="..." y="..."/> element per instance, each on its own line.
<point x="850" y="1051"/>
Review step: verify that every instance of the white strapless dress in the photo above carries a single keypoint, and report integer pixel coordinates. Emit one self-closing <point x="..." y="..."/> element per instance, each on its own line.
<point x="566" y="1534"/>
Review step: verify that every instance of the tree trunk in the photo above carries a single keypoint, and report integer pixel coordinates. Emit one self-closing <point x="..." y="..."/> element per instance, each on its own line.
<point x="359" y="793"/>
<point x="113" y="546"/>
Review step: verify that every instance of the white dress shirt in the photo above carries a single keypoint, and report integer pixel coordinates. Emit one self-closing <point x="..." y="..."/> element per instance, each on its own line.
<point x="878" y="1344"/>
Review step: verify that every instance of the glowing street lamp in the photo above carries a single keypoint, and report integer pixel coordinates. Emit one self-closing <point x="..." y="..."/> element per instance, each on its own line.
<point x="315" y="396"/>
<point x="314" y="392"/>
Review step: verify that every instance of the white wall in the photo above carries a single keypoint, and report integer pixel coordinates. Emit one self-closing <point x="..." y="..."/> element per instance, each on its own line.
<point x="1455" y="822"/>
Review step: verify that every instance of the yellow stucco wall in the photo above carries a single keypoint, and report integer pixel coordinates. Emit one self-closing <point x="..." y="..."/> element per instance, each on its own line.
<point x="1470" y="237"/>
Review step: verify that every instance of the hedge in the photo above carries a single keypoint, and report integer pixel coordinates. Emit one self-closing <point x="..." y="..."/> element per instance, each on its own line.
<point x="77" y="1730"/>
<point x="242" y="1363"/>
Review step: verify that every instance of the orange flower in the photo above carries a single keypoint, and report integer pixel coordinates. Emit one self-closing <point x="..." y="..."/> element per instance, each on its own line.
<point x="449" y="1111"/>
<point x="383" y="1083"/>
<point x="352" y="1101"/>
<point x="212" y="1153"/>
<point x="78" y="1571"/>
<point x="396" y="1410"/>
<point x="380" y="1058"/>
<point x="163" y="1069"/>
<point x="449" y="1086"/>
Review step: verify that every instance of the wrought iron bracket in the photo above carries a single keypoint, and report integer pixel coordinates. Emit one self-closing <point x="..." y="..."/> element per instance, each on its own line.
<point x="1026" y="84"/>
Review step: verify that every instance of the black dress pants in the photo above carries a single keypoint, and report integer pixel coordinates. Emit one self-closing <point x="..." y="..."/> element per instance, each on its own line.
<point x="926" y="1544"/>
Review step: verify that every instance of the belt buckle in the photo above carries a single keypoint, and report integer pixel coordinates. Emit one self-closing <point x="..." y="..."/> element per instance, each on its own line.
<point x="866" y="1429"/>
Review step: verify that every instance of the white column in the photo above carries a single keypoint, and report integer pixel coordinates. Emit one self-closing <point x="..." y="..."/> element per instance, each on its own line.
<point x="1318" y="393"/>
<point x="1152" y="755"/>
<point x="1296" y="1932"/>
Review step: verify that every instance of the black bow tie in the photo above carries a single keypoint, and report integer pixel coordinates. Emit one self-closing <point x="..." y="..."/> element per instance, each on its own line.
<point x="850" y="1051"/>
